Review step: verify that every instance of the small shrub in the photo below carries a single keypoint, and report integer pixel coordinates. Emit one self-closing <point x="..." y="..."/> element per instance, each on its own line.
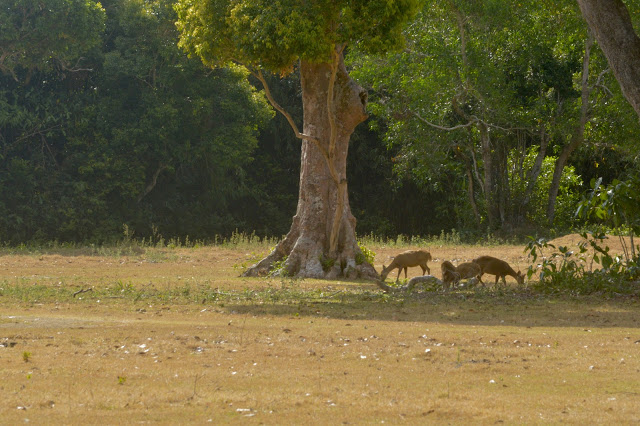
<point x="327" y="263"/>
<point x="365" y="255"/>
<point x="278" y="268"/>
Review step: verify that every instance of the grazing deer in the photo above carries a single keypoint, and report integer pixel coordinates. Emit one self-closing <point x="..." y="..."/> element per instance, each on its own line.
<point x="497" y="267"/>
<point x="406" y="260"/>
<point x="453" y="274"/>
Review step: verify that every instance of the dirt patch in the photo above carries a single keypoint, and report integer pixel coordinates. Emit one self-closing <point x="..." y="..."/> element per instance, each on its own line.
<point x="613" y="242"/>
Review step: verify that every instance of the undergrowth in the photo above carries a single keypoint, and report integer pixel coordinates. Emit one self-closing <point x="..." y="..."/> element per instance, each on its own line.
<point x="593" y="269"/>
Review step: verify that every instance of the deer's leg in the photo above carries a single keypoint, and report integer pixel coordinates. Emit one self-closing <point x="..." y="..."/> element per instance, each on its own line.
<point x="479" y="277"/>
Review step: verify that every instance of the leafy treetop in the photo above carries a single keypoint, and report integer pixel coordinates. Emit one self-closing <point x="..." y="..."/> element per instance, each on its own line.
<point x="276" y="33"/>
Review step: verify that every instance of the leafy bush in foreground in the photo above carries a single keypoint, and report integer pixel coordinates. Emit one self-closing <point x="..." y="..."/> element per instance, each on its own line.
<point x="564" y="271"/>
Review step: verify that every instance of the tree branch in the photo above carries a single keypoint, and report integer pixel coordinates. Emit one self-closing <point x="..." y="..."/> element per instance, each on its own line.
<point x="281" y="110"/>
<point x="473" y="121"/>
<point x="154" y="181"/>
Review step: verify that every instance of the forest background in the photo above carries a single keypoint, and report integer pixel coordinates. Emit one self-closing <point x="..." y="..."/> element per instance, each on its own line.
<point x="495" y="118"/>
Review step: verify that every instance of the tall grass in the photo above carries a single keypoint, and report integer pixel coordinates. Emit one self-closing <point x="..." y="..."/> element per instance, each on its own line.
<point x="129" y="245"/>
<point x="452" y="238"/>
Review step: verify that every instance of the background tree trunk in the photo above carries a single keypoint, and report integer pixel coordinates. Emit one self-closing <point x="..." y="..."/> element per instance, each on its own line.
<point x="610" y="22"/>
<point x="322" y="240"/>
<point x="489" y="190"/>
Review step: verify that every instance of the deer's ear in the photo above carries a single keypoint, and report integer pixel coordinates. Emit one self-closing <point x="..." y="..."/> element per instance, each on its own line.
<point x="384" y="267"/>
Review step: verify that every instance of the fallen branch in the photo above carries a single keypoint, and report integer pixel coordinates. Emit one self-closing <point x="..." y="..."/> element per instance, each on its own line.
<point x="84" y="290"/>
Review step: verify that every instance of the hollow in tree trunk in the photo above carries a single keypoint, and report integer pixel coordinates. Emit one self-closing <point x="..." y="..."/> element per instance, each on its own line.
<point x="322" y="241"/>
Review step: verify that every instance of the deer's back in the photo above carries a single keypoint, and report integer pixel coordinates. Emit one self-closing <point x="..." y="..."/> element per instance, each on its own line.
<point x="494" y="266"/>
<point x="468" y="269"/>
<point x="412" y="258"/>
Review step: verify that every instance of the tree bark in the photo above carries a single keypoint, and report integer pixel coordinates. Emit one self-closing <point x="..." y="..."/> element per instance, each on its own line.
<point x="487" y="159"/>
<point x="611" y="25"/>
<point x="534" y="173"/>
<point x="322" y="241"/>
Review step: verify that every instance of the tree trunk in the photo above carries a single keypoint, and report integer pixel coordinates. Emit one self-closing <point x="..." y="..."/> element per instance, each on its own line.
<point x="471" y="192"/>
<point x="487" y="159"/>
<point x="611" y="25"/>
<point x="534" y="173"/>
<point x="322" y="240"/>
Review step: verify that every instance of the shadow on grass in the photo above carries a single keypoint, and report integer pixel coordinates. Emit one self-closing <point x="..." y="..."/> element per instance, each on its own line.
<point x="519" y="308"/>
<point x="509" y="307"/>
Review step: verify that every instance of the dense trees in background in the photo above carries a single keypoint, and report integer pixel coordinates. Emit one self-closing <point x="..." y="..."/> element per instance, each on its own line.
<point x="504" y="97"/>
<point x="495" y="115"/>
<point x="135" y="133"/>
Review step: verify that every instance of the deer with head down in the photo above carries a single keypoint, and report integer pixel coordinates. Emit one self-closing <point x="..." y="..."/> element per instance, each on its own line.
<point x="499" y="268"/>
<point x="406" y="260"/>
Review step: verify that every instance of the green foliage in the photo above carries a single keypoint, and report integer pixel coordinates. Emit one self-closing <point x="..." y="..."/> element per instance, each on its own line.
<point x="104" y="121"/>
<point x="508" y="70"/>
<point x="141" y="135"/>
<point x="47" y="34"/>
<point x="278" y="269"/>
<point x="564" y="271"/>
<point x="327" y="262"/>
<point x="535" y="211"/>
<point x="366" y="255"/>
<point x="616" y="205"/>
<point x="277" y="34"/>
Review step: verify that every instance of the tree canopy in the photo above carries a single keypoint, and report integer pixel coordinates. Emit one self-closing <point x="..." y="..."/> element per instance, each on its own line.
<point x="276" y="34"/>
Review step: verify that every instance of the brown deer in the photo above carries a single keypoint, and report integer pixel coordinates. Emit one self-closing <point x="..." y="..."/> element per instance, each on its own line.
<point x="497" y="267"/>
<point x="406" y="260"/>
<point x="453" y="274"/>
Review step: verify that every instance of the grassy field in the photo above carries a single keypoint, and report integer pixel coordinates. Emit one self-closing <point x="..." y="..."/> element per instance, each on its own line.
<point x="174" y="335"/>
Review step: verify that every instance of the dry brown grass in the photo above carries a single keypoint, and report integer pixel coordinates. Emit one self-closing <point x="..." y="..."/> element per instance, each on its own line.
<point x="344" y="355"/>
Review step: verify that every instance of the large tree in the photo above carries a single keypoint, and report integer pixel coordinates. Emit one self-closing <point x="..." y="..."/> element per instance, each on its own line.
<point x="613" y="29"/>
<point x="313" y="35"/>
